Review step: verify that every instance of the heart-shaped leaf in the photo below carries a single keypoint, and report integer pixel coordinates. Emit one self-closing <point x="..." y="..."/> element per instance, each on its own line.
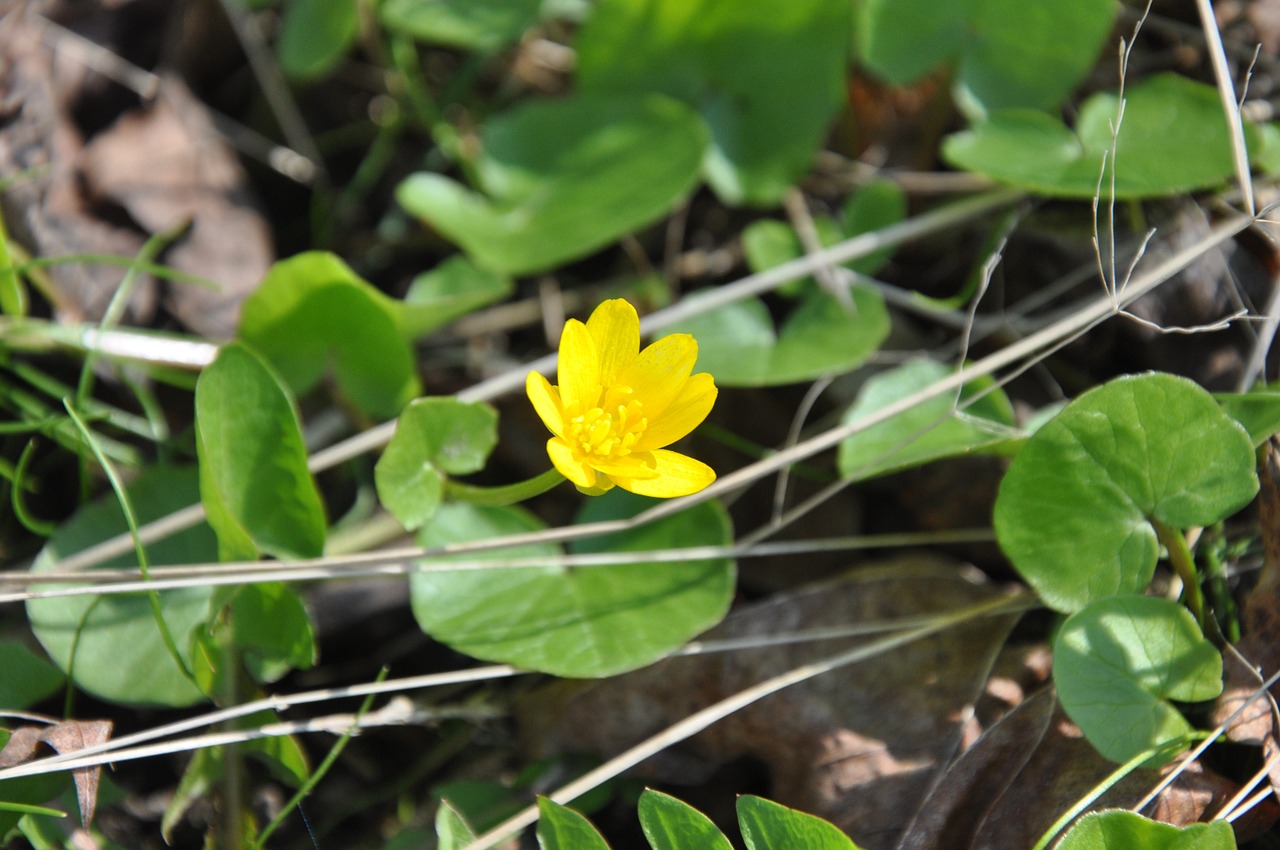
<point x="111" y="645"/>
<point x="450" y="290"/>
<point x="767" y="825"/>
<point x="315" y="35"/>
<point x="561" y="828"/>
<point x="434" y="438"/>
<point x="933" y="429"/>
<point x="738" y="345"/>
<point x="1073" y="512"/>
<point x="766" y="76"/>
<point x="1173" y="139"/>
<point x="1117" y="828"/>
<point x="27" y="679"/>
<point x="1258" y="411"/>
<point x="565" y="178"/>
<point x="1117" y="662"/>
<point x="579" y="622"/>
<point x="670" y="824"/>
<point x="1008" y="54"/>
<point x="474" y="24"/>
<point x="312" y="310"/>
<point x="254" y="483"/>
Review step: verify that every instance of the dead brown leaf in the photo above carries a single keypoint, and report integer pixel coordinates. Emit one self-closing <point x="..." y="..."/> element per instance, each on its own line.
<point x="69" y="736"/>
<point x="859" y="746"/>
<point x="1028" y="769"/>
<point x="165" y="164"/>
<point x="1257" y="654"/>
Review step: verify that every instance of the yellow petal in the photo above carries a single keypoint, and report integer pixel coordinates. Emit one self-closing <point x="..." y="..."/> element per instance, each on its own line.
<point x="685" y="412"/>
<point x="546" y="401"/>
<point x="615" y="327"/>
<point x="630" y="466"/>
<point x="578" y="367"/>
<point x="678" y="475"/>
<point x="569" y="466"/>
<point x="660" y="371"/>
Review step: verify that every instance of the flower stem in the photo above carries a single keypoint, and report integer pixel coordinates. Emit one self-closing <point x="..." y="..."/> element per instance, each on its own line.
<point x="505" y="495"/>
<point x="1184" y="565"/>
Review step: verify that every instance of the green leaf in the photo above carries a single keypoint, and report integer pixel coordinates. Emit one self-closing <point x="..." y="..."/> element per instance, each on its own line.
<point x="1173" y="139"/>
<point x="469" y="24"/>
<point x="27" y="791"/>
<point x="582" y="622"/>
<point x="110" y="645"/>
<point x="1257" y="410"/>
<point x="902" y="40"/>
<point x="1007" y="53"/>
<point x="561" y="828"/>
<point x="770" y="826"/>
<point x="1033" y="55"/>
<point x="254" y="482"/>
<point x="766" y="76"/>
<point x="1118" y="661"/>
<point x="670" y="824"/>
<point x="738" y="345"/>
<point x="315" y="35"/>
<point x="434" y="438"/>
<point x="270" y="626"/>
<point x="928" y="431"/>
<point x="875" y="206"/>
<point x="452" y="832"/>
<point x="27" y="678"/>
<point x="450" y="290"/>
<point x="564" y="178"/>
<point x="1073" y="510"/>
<point x="312" y="310"/>
<point x="1112" y="830"/>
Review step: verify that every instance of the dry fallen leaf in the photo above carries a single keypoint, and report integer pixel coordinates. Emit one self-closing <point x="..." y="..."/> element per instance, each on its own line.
<point x="1032" y="766"/>
<point x="860" y="745"/>
<point x="1257" y="654"/>
<point x="165" y="164"/>
<point x="69" y="736"/>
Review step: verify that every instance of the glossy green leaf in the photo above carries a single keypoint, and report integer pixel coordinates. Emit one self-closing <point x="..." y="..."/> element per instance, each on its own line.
<point x="111" y="645"/>
<point x="1073" y="510"/>
<point x="27" y="678"/>
<point x="1121" y="830"/>
<point x="767" y="825"/>
<point x="1006" y="53"/>
<point x="1033" y="55"/>
<point x="469" y="24"/>
<point x="315" y="35"/>
<point x="767" y="77"/>
<point x="1117" y="662"/>
<point x="933" y="429"/>
<point x="739" y="346"/>
<point x="452" y="832"/>
<point x="254" y="483"/>
<point x="1173" y="139"/>
<point x="561" y="828"/>
<point x="449" y="291"/>
<point x="875" y="206"/>
<point x="564" y="178"/>
<point x="902" y="40"/>
<point x="270" y="626"/>
<point x="434" y="438"/>
<point x="312" y="311"/>
<point x="670" y="824"/>
<point x="582" y="622"/>
<point x="1258" y="411"/>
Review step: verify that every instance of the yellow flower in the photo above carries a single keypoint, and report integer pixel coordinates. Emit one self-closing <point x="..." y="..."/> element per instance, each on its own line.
<point x="616" y="407"/>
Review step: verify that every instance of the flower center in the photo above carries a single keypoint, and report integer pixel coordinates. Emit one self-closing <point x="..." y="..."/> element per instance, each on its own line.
<point x="610" y="430"/>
